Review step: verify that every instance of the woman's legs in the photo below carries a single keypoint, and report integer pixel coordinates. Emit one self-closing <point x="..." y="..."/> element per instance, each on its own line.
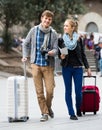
<point x="67" y="76"/>
<point x="77" y="76"/>
<point x="101" y="66"/>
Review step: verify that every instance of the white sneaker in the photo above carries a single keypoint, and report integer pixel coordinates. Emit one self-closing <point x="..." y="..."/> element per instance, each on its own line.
<point x="44" y="117"/>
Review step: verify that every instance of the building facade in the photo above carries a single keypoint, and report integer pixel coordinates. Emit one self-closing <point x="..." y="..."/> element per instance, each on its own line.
<point x="91" y="21"/>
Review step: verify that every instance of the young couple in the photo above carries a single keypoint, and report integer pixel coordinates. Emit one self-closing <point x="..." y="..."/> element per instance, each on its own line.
<point x="43" y="41"/>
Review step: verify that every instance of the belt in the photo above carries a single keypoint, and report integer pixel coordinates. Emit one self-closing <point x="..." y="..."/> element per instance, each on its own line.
<point x="77" y="66"/>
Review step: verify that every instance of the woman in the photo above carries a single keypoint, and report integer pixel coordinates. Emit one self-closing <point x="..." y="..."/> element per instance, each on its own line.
<point x="72" y="66"/>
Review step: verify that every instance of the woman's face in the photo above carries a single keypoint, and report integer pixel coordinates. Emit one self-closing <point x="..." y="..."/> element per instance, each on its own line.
<point x="68" y="28"/>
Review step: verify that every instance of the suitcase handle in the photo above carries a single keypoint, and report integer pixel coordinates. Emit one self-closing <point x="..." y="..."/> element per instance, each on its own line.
<point x="24" y="68"/>
<point x="89" y="77"/>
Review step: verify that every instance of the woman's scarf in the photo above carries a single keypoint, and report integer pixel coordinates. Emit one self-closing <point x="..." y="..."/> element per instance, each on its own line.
<point x="70" y="43"/>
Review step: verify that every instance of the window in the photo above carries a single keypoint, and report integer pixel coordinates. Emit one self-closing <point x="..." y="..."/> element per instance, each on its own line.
<point x="91" y="27"/>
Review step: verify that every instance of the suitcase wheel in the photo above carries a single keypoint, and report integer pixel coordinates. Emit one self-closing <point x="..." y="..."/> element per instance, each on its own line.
<point x="24" y="118"/>
<point x="10" y="119"/>
<point x="27" y="118"/>
<point x="83" y="113"/>
<point x="94" y="112"/>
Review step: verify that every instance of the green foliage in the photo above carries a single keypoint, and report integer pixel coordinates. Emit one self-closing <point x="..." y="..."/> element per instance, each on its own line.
<point x="11" y="11"/>
<point x="60" y="8"/>
<point x="10" y="14"/>
<point x="26" y="11"/>
<point x="7" y="42"/>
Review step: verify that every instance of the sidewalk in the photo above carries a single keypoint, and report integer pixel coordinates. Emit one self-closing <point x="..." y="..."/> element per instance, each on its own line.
<point x="89" y="121"/>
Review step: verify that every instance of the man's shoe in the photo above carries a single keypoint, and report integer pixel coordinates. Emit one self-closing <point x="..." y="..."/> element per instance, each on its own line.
<point x="79" y="113"/>
<point x="51" y="113"/>
<point x="73" y="117"/>
<point x="44" y="117"/>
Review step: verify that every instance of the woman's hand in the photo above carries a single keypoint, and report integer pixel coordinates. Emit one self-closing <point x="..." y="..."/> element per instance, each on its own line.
<point x="51" y="53"/>
<point x="62" y="56"/>
<point x="89" y="72"/>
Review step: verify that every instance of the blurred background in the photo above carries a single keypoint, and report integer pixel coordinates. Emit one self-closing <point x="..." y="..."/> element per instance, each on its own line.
<point x="18" y="16"/>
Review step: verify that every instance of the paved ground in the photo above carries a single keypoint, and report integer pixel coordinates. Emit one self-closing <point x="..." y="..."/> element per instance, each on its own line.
<point x="61" y="121"/>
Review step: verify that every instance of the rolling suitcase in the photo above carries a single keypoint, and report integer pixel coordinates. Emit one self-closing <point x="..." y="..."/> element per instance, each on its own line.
<point x="18" y="98"/>
<point x="90" y="97"/>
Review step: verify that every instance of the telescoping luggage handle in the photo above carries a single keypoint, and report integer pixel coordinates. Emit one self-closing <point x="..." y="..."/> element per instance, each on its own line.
<point x="24" y="67"/>
<point x="89" y="77"/>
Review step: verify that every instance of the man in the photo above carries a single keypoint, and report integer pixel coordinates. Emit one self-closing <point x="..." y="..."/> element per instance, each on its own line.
<point x="98" y="54"/>
<point x="42" y="42"/>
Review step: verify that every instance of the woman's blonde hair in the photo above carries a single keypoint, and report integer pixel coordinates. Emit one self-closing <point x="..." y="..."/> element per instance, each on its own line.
<point x="73" y="23"/>
<point x="76" y="26"/>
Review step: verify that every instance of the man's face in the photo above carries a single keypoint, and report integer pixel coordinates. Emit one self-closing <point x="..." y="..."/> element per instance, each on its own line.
<point x="46" y="21"/>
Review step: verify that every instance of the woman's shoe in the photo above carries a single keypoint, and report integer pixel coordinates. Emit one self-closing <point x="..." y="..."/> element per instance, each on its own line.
<point x="79" y="113"/>
<point x="73" y="117"/>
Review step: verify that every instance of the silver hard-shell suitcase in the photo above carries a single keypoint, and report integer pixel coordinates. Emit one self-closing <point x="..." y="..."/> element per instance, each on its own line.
<point x="18" y="98"/>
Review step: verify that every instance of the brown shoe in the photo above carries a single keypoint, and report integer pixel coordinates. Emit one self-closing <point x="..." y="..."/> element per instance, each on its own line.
<point x="51" y="113"/>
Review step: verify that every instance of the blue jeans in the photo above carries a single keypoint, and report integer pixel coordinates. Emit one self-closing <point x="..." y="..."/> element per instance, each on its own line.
<point x="77" y="75"/>
<point x="100" y="65"/>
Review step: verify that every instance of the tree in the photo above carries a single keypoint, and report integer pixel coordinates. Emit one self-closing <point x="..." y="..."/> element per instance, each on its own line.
<point x="10" y="14"/>
<point x="60" y="8"/>
<point x="13" y="12"/>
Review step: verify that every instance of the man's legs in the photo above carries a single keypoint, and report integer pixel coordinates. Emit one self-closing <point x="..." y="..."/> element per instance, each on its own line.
<point x="45" y="74"/>
<point x="38" y="81"/>
<point x="48" y="75"/>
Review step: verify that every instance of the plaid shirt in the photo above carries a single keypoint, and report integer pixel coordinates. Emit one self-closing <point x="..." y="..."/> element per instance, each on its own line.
<point x="40" y="59"/>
